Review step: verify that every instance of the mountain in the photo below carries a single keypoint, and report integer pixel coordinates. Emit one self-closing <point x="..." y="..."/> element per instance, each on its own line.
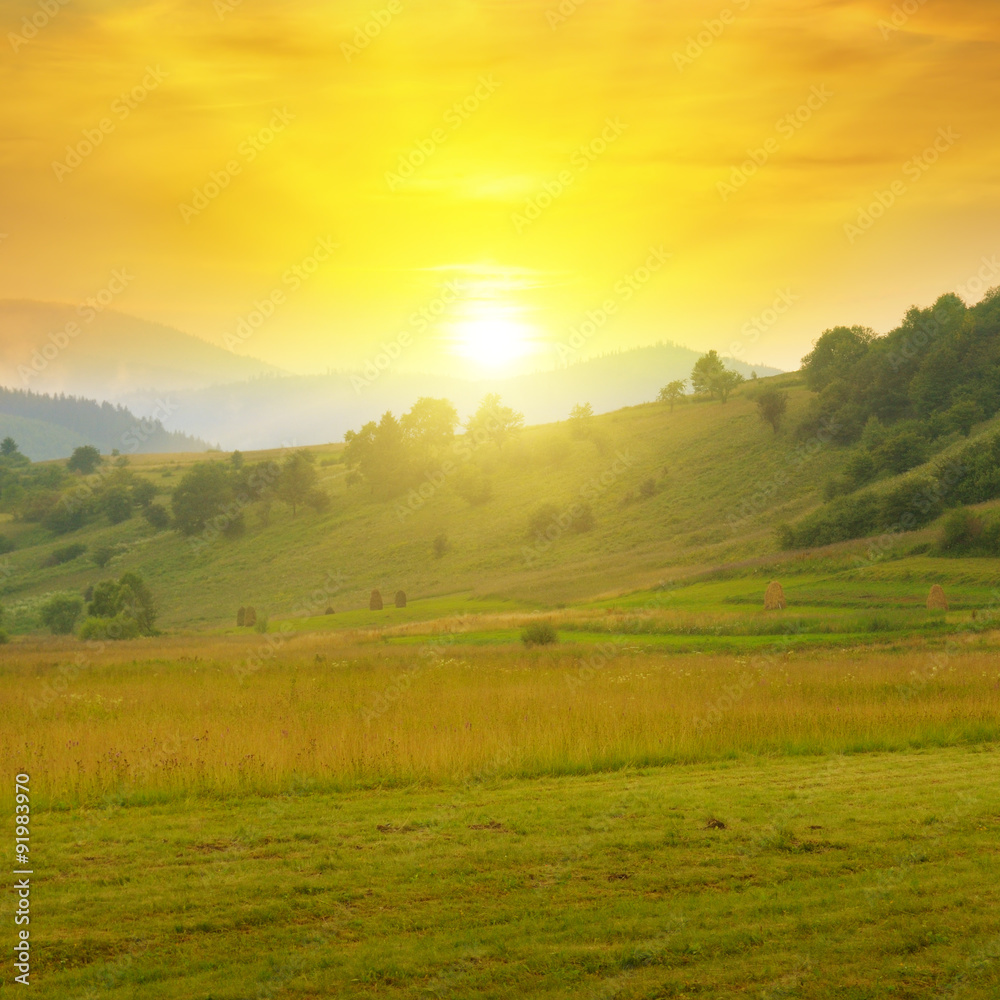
<point x="270" y="412"/>
<point x="54" y="348"/>
<point x="47" y="427"/>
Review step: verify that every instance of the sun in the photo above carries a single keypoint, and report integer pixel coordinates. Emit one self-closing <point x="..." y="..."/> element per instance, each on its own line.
<point x="490" y="337"/>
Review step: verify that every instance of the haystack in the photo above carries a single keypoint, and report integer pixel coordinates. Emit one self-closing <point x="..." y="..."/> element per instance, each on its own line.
<point x="241" y="617"/>
<point x="774" y="598"/>
<point x="250" y="617"/>
<point x="400" y="599"/>
<point x="375" y="604"/>
<point x="330" y="611"/>
<point x="936" y="601"/>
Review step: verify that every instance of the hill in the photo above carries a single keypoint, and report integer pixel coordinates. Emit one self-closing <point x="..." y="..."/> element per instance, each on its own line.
<point x="270" y="412"/>
<point x="47" y="427"/>
<point x="104" y="354"/>
<point x="670" y="493"/>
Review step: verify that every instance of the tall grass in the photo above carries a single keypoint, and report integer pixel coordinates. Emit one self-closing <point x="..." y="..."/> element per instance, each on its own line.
<point x="146" y="720"/>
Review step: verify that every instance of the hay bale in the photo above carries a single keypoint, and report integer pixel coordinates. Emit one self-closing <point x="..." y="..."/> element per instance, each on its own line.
<point x="400" y="599"/>
<point x="241" y="617"/>
<point x="330" y="611"/>
<point x="936" y="601"/>
<point x="774" y="598"/>
<point x="250" y="617"/>
<point x="375" y="603"/>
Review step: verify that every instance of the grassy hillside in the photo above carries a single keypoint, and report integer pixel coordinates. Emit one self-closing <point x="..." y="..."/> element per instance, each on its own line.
<point x="674" y="495"/>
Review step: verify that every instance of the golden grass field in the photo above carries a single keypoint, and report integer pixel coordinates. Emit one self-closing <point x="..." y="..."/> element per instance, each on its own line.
<point x="173" y="716"/>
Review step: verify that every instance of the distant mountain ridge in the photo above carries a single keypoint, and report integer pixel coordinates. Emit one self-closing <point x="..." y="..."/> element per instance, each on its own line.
<point x="56" y="348"/>
<point x="295" y="410"/>
<point x="47" y="427"/>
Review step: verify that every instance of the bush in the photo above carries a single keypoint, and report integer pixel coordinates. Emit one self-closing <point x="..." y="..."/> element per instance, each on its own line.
<point x="4" y="638"/>
<point x="6" y="545"/>
<point x="584" y="519"/>
<point x="65" y="554"/>
<point x="543" y="519"/>
<point x="473" y="485"/>
<point x="157" y="516"/>
<point x="261" y="624"/>
<point x="59" y="613"/>
<point x="117" y="504"/>
<point x="119" y="627"/>
<point x="102" y="555"/>
<point x="539" y="634"/>
<point x="128" y="598"/>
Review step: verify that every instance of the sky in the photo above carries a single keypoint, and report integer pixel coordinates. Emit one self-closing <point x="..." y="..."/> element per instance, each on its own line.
<point x="491" y="186"/>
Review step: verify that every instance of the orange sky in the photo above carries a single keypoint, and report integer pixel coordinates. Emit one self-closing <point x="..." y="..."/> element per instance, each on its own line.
<point x="556" y="156"/>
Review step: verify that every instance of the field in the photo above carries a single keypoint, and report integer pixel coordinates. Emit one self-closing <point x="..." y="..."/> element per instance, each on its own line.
<point x="683" y="795"/>
<point x="425" y="808"/>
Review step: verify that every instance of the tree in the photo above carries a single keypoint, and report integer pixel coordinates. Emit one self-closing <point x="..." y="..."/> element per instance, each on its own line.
<point x="430" y="424"/>
<point x="117" y="504"/>
<point x="205" y="491"/>
<point x="671" y="392"/>
<point x="122" y="608"/>
<point x="711" y="375"/>
<point x="495" y="422"/>
<point x="297" y="479"/>
<point x="8" y="447"/>
<point x="835" y="354"/>
<point x="772" y="403"/>
<point x="581" y="420"/>
<point x="723" y="383"/>
<point x="84" y="460"/>
<point x="59" y="613"/>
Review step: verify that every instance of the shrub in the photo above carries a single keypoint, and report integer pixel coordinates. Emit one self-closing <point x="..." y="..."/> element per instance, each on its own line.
<point x="544" y="518"/>
<point x="65" y="554"/>
<point x="102" y="555"/>
<point x="6" y="545"/>
<point x="117" y="504"/>
<point x="473" y="485"/>
<point x="127" y="599"/>
<point x="539" y="634"/>
<point x="59" y="613"/>
<point x="584" y="519"/>
<point x="143" y="493"/>
<point x="119" y="627"/>
<point x="261" y="624"/>
<point x="157" y="516"/>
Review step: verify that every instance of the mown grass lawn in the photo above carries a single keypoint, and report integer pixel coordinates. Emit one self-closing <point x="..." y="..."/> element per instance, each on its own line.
<point x="854" y="877"/>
